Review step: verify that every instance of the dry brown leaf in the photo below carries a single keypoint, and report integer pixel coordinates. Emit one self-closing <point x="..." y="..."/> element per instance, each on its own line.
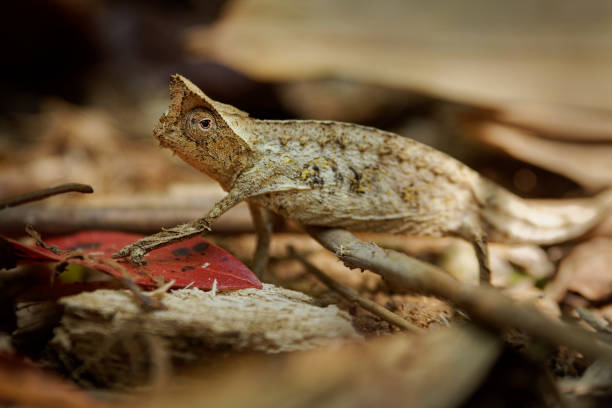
<point x="590" y="165"/>
<point x="558" y="121"/>
<point x="474" y="51"/>
<point x="28" y="386"/>
<point x="587" y="270"/>
<point x="605" y="228"/>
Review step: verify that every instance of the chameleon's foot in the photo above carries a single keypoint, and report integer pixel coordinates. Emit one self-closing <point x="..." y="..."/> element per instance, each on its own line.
<point x="135" y="252"/>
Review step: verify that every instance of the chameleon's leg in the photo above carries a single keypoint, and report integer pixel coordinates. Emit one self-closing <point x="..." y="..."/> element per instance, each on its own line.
<point x="264" y="223"/>
<point x="140" y="248"/>
<point x="479" y="242"/>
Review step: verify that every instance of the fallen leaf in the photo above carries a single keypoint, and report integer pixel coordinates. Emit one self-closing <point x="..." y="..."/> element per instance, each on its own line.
<point x="475" y="51"/>
<point x="559" y="121"/>
<point x="22" y="384"/>
<point x="586" y="270"/>
<point x="26" y="254"/>
<point x="588" y="164"/>
<point x="194" y="262"/>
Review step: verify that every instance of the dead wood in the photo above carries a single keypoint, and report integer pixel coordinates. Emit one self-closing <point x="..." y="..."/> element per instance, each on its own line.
<point x="70" y="218"/>
<point x="485" y="305"/>
<point x="105" y="336"/>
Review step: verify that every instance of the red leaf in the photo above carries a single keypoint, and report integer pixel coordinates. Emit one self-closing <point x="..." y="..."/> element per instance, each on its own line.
<point x="194" y="261"/>
<point x="31" y="254"/>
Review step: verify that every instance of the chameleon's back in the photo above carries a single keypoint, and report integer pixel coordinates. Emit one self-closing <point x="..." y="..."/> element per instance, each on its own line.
<point x="364" y="179"/>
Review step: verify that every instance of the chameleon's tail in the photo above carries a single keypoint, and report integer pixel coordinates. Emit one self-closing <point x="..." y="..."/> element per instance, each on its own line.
<point x="509" y="218"/>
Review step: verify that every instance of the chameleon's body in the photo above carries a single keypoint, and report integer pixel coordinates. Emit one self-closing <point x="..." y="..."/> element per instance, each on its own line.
<point x="344" y="175"/>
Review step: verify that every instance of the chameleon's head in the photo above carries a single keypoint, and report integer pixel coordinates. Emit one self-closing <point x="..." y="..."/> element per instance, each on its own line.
<point x="209" y="135"/>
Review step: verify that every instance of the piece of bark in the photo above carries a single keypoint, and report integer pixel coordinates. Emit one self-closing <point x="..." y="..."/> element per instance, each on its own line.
<point x="105" y="335"/>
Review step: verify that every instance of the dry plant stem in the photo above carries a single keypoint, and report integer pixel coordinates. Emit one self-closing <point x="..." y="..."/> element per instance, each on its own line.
<point x="484" y="304"/>
<point x="65" y="219"/>
<point x="353" y="296"/>
<point x="47" y="192"/>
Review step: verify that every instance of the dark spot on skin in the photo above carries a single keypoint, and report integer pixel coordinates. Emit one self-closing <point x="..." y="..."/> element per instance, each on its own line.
<point x="202" y="247"/>
<point x="316" y="181"/>
<point x="181" y="252"/>
<point x="355" y="184"/>
<point x="315" y="168"/>
<point x="337" y="175"/>
<point x="187" y="268"/>
<point x="89" y="245"/>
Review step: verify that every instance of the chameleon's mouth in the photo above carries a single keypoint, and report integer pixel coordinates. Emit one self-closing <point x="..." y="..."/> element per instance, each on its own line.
<point x="163" y="130"/>
<point x="159" y="132"/>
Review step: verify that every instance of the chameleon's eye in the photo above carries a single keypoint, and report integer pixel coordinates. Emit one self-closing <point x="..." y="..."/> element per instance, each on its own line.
<point x="205" y="124"/>
<point x="200" y="123"/>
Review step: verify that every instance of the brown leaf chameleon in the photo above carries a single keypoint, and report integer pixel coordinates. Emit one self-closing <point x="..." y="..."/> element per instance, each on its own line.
<point x="335" y="174"/>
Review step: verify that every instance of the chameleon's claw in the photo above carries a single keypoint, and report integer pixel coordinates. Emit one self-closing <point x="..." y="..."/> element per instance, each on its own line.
<point x="135" y="252"/>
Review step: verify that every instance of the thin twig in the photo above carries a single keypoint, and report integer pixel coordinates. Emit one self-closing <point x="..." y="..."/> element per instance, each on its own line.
<point x="353" y="296"/>
<point x="142" y="219"/>
<point x="39" y="241"/>
<point x="44" y="193"/>
<point x="597" y="323"/>
<point x="483" y="304"/>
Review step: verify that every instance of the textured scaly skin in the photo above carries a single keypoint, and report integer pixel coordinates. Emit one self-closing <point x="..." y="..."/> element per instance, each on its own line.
<point x="344" y="175"/>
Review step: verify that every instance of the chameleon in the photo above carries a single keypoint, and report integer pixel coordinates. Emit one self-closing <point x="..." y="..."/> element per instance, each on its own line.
<point x="344" y="175"/>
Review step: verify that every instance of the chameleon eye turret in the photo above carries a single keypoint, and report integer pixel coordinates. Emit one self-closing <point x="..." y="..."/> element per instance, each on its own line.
<point x="200" y="124"/>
